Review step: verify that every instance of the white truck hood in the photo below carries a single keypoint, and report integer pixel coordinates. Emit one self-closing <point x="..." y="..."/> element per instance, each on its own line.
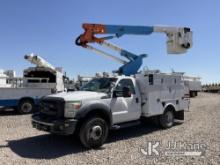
<point x="79" y="95"/>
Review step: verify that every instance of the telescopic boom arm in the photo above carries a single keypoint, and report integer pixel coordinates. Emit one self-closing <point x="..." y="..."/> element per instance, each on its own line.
<point x="179" y="40"/>
<point x="38" y="61"/>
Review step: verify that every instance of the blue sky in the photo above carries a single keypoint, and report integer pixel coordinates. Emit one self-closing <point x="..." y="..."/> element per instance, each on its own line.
<point x="49" y="28"/>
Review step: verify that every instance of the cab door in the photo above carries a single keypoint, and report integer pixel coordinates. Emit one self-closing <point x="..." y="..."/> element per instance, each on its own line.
<point x="126" y="108"/>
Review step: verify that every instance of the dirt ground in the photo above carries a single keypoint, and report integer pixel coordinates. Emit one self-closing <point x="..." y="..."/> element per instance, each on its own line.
<point x="22" y="144"/>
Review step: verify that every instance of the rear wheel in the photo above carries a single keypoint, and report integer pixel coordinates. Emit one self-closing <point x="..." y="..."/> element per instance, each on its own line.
<point x="26" y="106"/>
<point x="196" y="93"/>
<point x="193" y="93"/>
<point x="167" y="119"/>
<point x="93" y="132"/>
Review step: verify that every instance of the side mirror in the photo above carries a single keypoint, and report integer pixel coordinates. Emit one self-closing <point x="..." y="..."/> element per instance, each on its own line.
<point x="122" y="93"/>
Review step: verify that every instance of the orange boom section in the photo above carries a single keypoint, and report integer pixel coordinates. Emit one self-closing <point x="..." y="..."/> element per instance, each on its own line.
<point x="89" y="34"/>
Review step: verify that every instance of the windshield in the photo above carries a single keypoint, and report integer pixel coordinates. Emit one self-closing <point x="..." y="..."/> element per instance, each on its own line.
<point x="99" y="85"/>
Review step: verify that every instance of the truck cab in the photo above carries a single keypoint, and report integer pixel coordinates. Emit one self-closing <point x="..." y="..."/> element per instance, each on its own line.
<point x="106" y="103"/>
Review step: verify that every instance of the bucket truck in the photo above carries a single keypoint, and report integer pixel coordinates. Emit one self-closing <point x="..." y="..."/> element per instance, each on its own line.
<point x="121" y="99"/>
<point x="37" y="81"/>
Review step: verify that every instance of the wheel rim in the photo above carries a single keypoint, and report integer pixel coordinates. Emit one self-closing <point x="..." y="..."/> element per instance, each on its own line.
<point x="95" y="133"/>
<point x="26" y="107"/>
<point x="169" y="118"/>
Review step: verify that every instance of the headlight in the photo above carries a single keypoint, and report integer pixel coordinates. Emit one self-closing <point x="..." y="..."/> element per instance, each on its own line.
<point x="71" y="107"/>
<point x="74" y="105"/>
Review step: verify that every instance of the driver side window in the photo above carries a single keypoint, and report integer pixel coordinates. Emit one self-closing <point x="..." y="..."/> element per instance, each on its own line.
<point x="125" y="83"/>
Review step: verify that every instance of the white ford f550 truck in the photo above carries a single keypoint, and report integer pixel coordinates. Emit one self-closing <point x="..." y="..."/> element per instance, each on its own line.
<point x="113" y="102"/>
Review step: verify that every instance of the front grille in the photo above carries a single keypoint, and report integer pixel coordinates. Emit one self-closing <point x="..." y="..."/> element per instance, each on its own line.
<point x="52" y="107"/>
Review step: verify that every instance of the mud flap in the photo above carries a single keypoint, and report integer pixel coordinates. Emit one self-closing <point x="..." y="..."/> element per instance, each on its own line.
<point x="179" y="115"/>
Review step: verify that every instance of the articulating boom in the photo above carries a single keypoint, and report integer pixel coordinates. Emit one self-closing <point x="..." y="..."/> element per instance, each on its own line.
<point x="179" y="39"/>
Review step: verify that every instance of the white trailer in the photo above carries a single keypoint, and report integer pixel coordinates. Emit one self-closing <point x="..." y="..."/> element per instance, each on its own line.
<point x="37" y="81"/>
<point x="193" y="84"/>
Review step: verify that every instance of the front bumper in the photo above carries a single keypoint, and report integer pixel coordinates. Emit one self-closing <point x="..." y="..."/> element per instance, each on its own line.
<point x="52" y="125"/>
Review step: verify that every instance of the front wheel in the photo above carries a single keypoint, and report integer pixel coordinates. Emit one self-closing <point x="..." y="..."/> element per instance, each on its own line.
<point x="93" y="132"/>
<point x="25" y="106"/>
<point x="167" y="119"/>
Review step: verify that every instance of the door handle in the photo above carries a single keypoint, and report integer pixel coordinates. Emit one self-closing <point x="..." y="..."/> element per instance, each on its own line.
<point x="137" y="100"/>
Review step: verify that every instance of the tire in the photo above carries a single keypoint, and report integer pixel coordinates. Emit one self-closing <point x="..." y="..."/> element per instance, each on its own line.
<point x="167" y="119"/>
<point x="26" y="106"/>
<point x="93" y="132"/>
<point x="191" y="94"/>
<point x="196" y="93"/>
